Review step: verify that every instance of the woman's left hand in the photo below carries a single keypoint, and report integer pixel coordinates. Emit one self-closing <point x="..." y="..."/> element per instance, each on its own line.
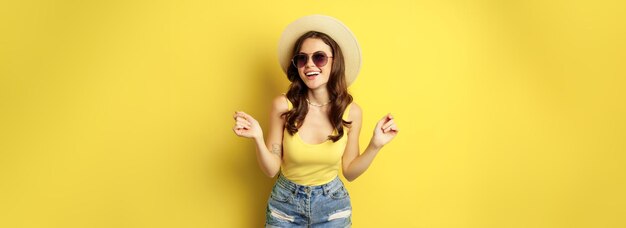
<point x="384" y="132"/>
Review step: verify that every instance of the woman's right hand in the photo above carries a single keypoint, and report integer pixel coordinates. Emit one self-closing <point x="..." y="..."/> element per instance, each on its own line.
<point x="246" y="126"/>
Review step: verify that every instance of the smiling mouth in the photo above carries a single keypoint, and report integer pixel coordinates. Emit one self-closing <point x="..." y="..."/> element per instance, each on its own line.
<point x="313" y="73"/>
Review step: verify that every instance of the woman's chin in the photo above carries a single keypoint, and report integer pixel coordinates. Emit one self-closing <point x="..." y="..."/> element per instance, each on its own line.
<point x="314" y="85"/>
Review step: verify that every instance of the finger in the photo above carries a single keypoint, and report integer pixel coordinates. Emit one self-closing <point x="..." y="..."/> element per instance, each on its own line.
<point x="244" y="124"/>
<point x="380" y="123"/>
<point x="391" y="126"/>
<point x="387" y="124"/>
<point x="394" y="128"/>
<point x="240" y="133"/>
<point x="237" y="131"/>
<point x="242" y="120"/>
<point x="237" y="114"/>
<point x="387" y="129"/>
<point x="246" y="116"/>
<point x="387" y="117"/>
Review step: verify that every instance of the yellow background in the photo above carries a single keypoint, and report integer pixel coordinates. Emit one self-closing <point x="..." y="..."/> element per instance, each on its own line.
<point x="118" y="113"/>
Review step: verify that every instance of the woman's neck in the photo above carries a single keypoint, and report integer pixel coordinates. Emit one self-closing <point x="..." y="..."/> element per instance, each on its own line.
<point x="318" y="96"/>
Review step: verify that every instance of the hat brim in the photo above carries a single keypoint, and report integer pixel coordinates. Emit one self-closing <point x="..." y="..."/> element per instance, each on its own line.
<point x="330" y="26"/>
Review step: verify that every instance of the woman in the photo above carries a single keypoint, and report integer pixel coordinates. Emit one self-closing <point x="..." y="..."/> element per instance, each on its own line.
<point x="314" y="128"/>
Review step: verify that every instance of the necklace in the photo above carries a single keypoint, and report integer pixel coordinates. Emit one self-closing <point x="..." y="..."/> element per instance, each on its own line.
<point x="317" y="105"/>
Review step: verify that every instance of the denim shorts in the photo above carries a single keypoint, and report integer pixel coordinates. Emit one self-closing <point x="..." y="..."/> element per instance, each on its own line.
<point x="293" y="205"/>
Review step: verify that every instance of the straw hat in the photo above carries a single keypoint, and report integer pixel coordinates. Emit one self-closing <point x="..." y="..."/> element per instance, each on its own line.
<point x="330" y="26"/>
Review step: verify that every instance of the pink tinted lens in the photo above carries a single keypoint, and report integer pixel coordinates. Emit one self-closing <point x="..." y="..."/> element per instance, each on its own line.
<point x="320" y="59"/>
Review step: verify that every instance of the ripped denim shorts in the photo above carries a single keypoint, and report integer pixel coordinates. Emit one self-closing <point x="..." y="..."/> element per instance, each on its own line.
<point x="293" y="205"/>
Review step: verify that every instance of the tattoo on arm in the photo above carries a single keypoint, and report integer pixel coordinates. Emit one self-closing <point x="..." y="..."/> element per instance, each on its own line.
<point x="276" y="149"/>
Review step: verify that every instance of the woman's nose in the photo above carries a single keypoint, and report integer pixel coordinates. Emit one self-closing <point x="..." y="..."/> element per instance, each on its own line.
<point x="309" y="62"/>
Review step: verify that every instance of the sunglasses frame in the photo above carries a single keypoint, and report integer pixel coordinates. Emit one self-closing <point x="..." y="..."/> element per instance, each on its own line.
<point x="311" y="56"/>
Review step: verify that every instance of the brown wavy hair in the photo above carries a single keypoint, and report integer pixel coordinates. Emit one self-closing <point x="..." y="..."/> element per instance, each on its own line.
<point x="337" y="89"/>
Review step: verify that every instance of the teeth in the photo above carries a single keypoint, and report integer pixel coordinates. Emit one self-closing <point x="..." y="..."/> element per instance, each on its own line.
<point x="312" y="73"/>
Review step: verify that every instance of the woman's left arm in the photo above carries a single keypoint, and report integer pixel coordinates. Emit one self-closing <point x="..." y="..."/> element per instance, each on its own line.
<point x="355" y="164"/>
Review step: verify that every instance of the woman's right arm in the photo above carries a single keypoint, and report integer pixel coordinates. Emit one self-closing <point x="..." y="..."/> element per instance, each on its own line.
<point x="269" y="153"/>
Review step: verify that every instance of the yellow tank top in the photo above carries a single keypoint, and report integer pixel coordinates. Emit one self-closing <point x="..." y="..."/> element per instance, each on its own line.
<point x="312" y="164"/>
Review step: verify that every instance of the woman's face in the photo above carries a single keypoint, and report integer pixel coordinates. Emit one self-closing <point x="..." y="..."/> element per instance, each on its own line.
<point x="313" y="76"/>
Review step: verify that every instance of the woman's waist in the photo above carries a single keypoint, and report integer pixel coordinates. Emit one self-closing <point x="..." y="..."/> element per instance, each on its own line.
<point x="326" y="186"/>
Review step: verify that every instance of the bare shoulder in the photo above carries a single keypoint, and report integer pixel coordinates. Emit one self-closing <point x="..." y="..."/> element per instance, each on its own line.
<point x="279" y="104"/>
<point x="355" y="112"/>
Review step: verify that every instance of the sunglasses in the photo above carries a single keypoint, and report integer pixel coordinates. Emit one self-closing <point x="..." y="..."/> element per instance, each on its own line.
<point x="319" y="59"/>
